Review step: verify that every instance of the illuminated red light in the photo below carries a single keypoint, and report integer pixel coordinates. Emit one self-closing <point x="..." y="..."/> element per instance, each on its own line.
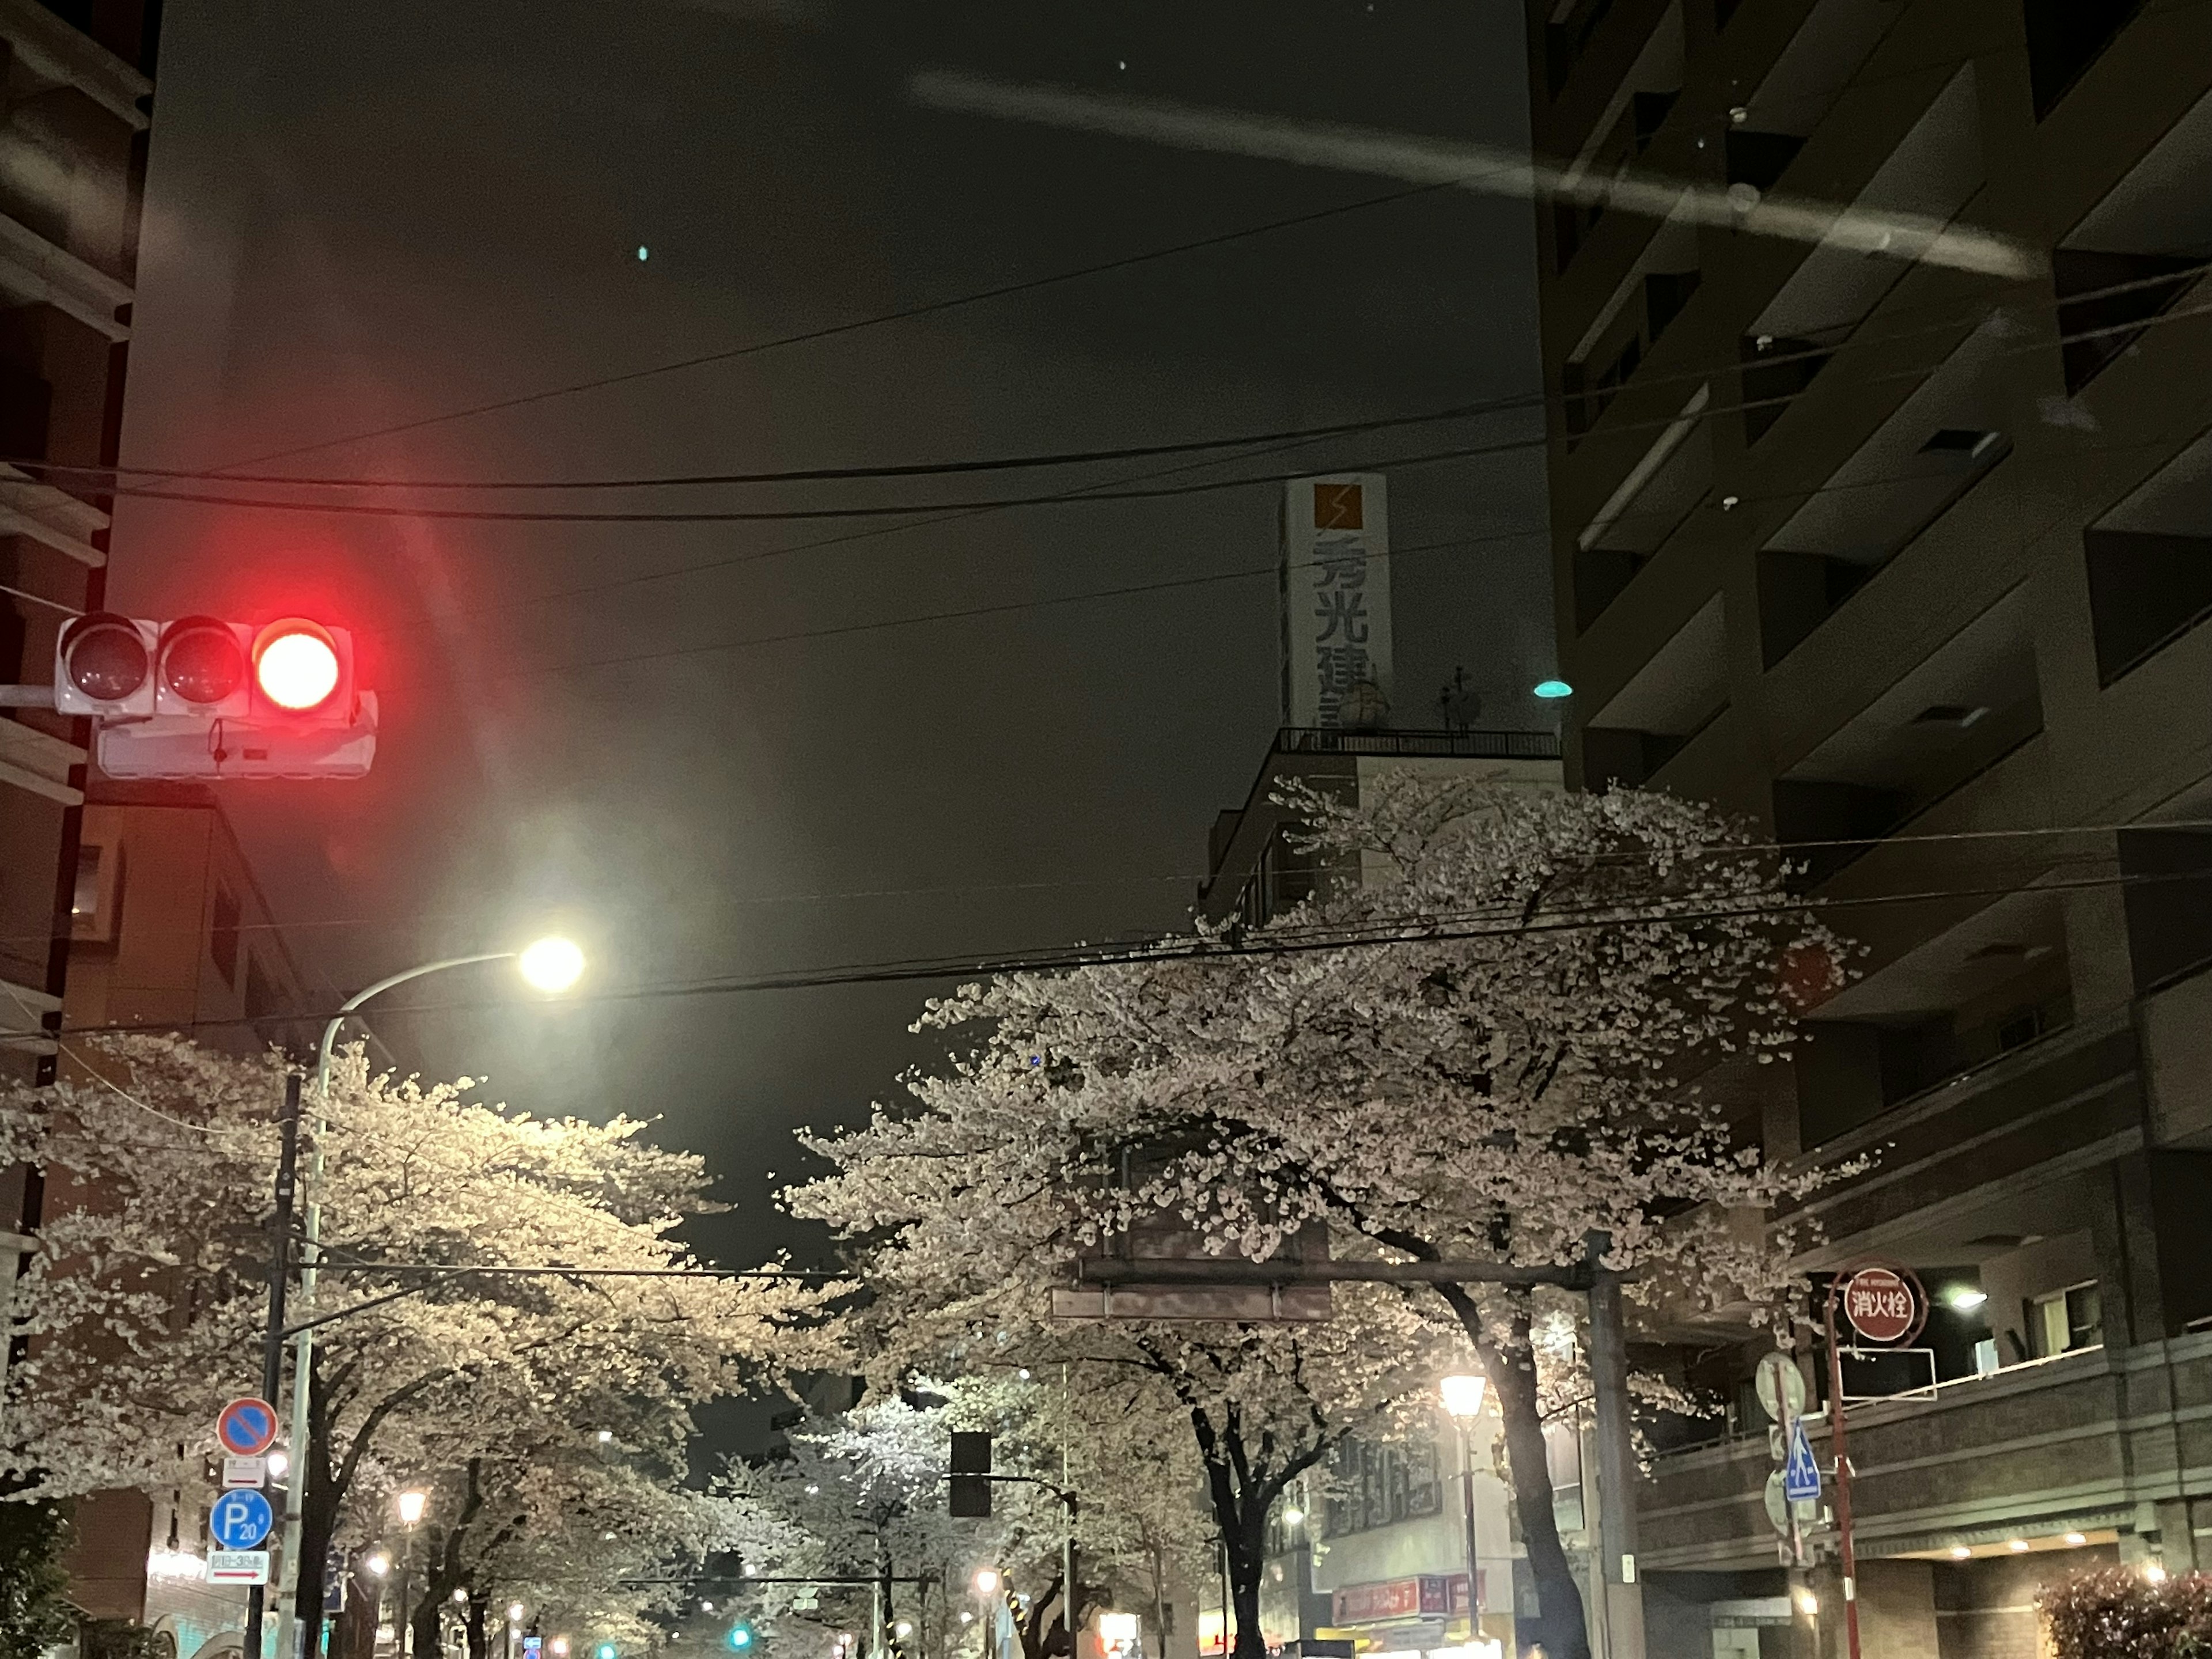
<point x="295" y="664"/>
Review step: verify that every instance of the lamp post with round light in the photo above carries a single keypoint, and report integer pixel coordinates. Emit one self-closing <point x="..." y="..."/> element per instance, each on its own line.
<point x="550" y="965"/>
<point x="1462" y="1398"/>
<point x="410" y="1506"/>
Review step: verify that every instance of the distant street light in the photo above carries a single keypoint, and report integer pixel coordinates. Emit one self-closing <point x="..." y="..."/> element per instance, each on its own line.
<point x="514" y="1611"/>
<point x="551" y="965"/>
<point x="1462" y="1397"/>
<point x="377" y="1564"/>
<point x="460" y="1598"/>
<point x="986" y="1581"/>
<point x="605" y="1437"/>
<point x="411" y="1505"/>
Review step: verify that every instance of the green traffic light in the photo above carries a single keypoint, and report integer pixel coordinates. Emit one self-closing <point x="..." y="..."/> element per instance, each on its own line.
<point x="607" y="1651"/>
<point x="740" y="1638"/>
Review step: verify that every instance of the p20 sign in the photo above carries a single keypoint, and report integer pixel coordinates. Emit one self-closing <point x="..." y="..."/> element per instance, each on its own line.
<point x="1884" y="1305"/>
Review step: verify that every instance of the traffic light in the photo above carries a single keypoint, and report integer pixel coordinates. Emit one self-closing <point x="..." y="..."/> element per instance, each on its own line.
<point x="201" y="697"/>
<point x="740" y="1637"/>
<point x="971" y="1471"/>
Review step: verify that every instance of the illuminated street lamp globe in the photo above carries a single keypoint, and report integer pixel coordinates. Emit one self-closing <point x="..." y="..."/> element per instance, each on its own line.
<point x="552" y="965"/>
<point x="1462" y="1396"/>
<point x="411" y="1505"/>
<point x="986" y="1581"/>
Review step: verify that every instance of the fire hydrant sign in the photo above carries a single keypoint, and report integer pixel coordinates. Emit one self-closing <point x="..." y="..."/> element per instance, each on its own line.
<point x="1880" y="1305"/>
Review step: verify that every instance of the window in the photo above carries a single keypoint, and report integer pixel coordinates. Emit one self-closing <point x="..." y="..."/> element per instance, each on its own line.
<point x="222" y="937"/>
<point x="96" y="895"/>
<point x="84" y="899"/>
<point x="2066" y="1320"/>
<point x="1380" y="1485"/>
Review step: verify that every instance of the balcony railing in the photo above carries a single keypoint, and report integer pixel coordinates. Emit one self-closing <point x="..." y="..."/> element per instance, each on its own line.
<point x="2079" y="1440"/>
<point x="1454" y="744"/>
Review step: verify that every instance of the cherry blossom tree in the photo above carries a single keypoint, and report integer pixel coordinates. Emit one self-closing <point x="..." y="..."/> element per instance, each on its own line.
<point x="966" y="1213"/>
<point x="865" y="1492"/>
<point x="146" y="1304"/>
<point x="1482" y="1039"/>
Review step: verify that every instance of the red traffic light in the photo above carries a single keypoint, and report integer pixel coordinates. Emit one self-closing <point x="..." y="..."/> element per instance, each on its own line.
<point x="104" y="657"/>
<point x="295" y="664"/>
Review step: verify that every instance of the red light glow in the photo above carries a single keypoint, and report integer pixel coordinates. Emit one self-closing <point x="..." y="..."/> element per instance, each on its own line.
<point x="295" y="665"/>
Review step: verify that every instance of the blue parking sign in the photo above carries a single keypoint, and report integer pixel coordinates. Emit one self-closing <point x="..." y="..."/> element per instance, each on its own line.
<point x="240" y="1519"/>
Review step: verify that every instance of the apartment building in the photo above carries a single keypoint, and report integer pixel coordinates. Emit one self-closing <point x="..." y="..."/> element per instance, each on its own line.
<point x="168" y="931"/>
<point x="1879" y="352"/>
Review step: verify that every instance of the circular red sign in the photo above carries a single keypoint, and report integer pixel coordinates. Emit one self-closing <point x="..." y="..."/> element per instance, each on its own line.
<point x="247" y="1427"/>
<point x="1880" y="1306"/>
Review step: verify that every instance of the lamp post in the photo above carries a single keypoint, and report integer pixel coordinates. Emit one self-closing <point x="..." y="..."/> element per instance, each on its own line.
<point x="411" y="1511"/>
<point x="1462" y="1398"/>
<point x="550" y="965"/>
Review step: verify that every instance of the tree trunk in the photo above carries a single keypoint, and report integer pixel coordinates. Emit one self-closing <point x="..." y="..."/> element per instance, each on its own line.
<point x="426" y="1618"/>
<point x="1560" y="1619"/>
<point x="479" y="1644"/>
<point x="1241" y="1503"/>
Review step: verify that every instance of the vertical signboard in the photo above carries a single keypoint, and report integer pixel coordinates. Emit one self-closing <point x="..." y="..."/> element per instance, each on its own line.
<point x="1335" y="583"/>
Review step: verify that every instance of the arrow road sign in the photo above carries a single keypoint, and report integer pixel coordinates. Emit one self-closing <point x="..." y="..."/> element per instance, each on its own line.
<point x="1800" y="1475"/>
<point x="247" y="1427"/>
<point x="237" y="1567"/>
<point x="240" y="1519"/>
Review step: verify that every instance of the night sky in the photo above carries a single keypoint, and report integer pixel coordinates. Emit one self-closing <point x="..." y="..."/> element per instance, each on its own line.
<point x="363" y="217"/>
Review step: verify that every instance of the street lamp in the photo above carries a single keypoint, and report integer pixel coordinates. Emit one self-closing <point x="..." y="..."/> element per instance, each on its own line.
<point x="551" y="965"/>
<point x="1462" y="1398"/>
<point x="986" y="1581"/>
<point x="410" y="1504"/>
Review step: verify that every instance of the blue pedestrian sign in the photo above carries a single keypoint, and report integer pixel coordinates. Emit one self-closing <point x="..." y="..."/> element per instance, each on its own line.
<point x="1800" y="1475"/>
<point x="240" y="1519"/>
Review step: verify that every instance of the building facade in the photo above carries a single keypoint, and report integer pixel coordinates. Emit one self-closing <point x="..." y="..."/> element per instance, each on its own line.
<point x="79" y="92"/>
<point x="1879" y="369"/>
<point x="168" y="931"/>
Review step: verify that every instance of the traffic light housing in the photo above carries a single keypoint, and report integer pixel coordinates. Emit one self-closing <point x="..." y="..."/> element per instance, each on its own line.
<point x="204" y="697"/>
<point x="970" y="1494"/>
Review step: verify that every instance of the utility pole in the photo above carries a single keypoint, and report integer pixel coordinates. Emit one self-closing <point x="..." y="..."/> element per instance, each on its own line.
<point x="272" y="1340"/>
<point x="1616" y="1458"/>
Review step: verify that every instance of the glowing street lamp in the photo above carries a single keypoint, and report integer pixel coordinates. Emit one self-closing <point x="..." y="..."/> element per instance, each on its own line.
<point x="986" y="1581"/>
<point x="411" y="1505"/>
<point x="1462" y="1398"/>
<point x="550" y="965"/>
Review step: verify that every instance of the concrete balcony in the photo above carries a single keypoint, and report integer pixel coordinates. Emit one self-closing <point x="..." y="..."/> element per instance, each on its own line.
<point x="2087" y="1442"/>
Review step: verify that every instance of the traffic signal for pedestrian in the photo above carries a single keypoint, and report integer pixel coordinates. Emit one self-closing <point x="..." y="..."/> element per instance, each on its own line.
<point x="201" y="697"/>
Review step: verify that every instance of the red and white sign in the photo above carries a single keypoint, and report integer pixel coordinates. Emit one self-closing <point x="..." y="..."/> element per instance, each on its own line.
<point x="247" y="1427"/>
<point x="1880" y="1306"/>
<point x="1401" y="1598"/>
<point x="237" y="1567"/>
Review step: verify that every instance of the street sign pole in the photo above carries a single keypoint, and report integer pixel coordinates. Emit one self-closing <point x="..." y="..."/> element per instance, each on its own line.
<point x="272" y="1342"/>
<point x="1885" y="1304"/>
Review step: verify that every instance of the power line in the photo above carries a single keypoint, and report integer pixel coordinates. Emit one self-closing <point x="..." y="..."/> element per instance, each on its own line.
<point x="900" y="509"/>
<point x="907" y="313"/>
<point x="1054" y="458"/>
<point x="1181" y="948"/>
